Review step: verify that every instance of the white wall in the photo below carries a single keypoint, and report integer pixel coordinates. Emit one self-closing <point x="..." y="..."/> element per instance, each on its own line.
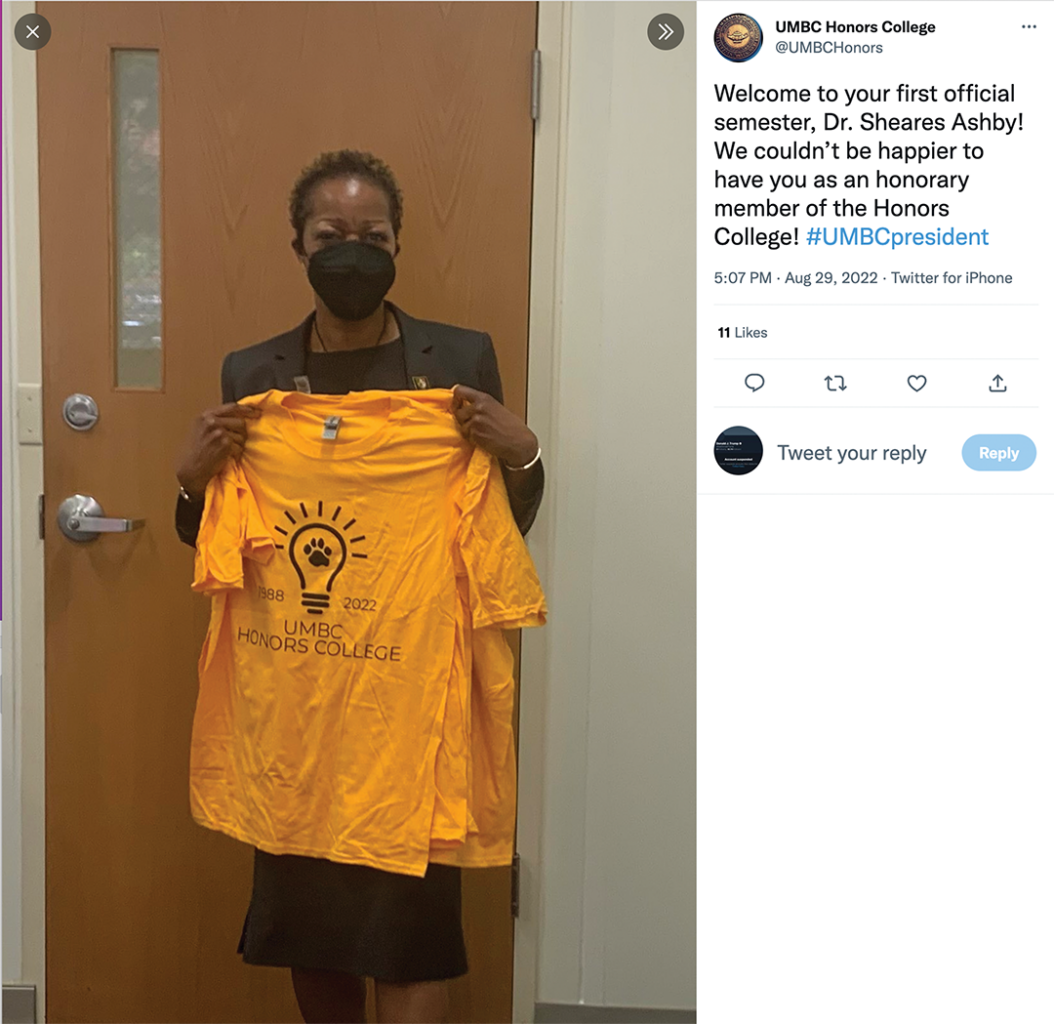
<point x="611" y="871"/>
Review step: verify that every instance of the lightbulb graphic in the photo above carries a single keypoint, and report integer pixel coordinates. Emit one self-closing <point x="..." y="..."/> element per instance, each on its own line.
<point x="318" y="552"/>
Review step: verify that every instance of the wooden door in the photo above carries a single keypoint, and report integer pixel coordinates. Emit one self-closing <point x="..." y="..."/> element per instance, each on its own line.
<point x="144" y="907"/>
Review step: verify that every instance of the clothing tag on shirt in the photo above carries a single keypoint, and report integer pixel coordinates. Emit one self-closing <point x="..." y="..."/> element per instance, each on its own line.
<point x="330" y="427"/>
<point x="303" y="385"/>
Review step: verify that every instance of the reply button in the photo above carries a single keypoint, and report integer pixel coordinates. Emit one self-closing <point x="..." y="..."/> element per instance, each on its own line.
<point x="999" y="452"/>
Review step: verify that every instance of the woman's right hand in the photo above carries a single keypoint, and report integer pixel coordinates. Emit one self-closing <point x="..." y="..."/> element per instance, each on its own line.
<point x="217" y="435"/>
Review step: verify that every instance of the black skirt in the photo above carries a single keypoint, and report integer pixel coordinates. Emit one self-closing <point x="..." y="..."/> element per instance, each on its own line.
<point x="315" y="913"/>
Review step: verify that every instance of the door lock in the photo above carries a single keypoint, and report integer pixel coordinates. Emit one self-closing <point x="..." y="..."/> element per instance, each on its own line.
<point x="80" y="412"/>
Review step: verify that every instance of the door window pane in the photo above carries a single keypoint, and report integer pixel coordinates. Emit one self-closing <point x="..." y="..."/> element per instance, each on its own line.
<point x="137" y="218"/>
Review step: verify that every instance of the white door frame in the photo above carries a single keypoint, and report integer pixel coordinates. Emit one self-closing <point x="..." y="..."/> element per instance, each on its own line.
<point x="547" y="237"/>
<point x="23" y="467"/>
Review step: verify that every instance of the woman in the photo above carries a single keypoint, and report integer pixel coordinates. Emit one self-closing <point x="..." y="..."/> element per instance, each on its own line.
<point x="336" y="924"/>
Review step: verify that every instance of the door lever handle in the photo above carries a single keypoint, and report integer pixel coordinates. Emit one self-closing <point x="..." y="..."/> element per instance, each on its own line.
<point x="81" y="519"/>
<point x="101" y="524"/>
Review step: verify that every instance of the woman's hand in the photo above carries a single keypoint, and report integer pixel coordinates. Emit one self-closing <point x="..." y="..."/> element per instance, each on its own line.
<point x="217" y="435"/>
<point x="487" y="423"/>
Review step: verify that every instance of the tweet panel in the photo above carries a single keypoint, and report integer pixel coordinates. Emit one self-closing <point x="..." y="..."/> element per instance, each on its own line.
<point x="874" y="512"/>
<point x="872" y="217"/>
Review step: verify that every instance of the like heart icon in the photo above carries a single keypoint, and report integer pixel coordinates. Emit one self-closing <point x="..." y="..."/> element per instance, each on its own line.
<point x="916" y="383"/>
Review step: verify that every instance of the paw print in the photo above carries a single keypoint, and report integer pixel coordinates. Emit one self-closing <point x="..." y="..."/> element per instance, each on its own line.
<point x="318" y="553"/>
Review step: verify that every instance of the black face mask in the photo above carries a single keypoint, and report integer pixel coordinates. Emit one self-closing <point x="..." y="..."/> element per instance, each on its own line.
<point x="351" y="278"/>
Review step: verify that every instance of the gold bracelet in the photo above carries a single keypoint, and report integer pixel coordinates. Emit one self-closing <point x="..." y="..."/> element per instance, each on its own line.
<point x="520" y="469"/>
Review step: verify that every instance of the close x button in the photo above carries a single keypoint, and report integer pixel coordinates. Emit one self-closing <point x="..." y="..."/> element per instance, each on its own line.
<point x="999" y="453"/>
<point x="32" y="31"/>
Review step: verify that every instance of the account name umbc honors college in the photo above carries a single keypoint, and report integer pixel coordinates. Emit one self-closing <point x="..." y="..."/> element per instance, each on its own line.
<point x="319" y="638"/>
<point x="841" y="28"/>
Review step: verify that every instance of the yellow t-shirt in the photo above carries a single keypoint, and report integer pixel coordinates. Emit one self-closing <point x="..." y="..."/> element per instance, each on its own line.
<point x="349" y="566"/>
<point x="490" y="787"/>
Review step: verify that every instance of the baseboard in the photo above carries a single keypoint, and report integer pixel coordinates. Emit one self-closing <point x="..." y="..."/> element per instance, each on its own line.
<point x="20" y="1004"/>
<point x="20" y="1007"/>
<point x="555" y="1013"/>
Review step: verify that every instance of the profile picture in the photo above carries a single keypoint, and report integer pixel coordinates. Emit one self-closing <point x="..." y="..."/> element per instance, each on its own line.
<point x="738" y="37"/>
<point x="738" y="450"/>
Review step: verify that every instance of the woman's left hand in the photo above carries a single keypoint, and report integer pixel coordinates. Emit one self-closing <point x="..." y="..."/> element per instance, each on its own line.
<point x="487" y="423"/>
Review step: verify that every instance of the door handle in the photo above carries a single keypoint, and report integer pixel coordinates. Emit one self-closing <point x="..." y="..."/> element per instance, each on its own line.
<point x="81" y="519"/>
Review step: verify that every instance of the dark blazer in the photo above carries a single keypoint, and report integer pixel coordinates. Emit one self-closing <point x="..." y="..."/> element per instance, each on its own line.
<point x="441" y="354"/>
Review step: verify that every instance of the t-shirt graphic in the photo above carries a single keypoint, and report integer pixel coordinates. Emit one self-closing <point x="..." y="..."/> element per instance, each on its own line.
<point x="350" y="555"/>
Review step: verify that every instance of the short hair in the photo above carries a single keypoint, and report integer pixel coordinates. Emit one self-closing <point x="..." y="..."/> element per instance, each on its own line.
<point x="343" y="163"/>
